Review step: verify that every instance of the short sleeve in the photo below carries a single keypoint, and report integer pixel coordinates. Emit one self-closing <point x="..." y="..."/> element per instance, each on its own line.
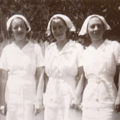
<point x="80" y="51"/>
<point x="39" y="57"/>
<point x="3" y="60"/>
<point x="116" y="50"/>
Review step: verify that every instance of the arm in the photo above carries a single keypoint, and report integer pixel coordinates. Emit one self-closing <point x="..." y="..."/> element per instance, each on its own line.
<point x="81" y="83"/>
<point x="4" y="76"/>
<point x="117" y="102"/>
<point x="40" y="88"/>
<point x="39" y="75"/>
<point x="79" y="89"/>
<point x="80" y="75"/>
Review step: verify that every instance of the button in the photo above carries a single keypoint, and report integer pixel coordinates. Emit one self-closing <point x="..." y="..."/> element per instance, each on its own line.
<point x="98" y="109"/>
<point x="98" y="80"/>
<point x="97" y="100"/>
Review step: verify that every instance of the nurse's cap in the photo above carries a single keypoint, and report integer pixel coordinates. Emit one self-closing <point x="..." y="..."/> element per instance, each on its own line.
<point x="67" y="21"/>
<point x="18" y="16"/>
<point x="84" y="31"/>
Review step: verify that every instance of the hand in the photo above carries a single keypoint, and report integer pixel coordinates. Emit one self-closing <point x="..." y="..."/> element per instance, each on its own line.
<point x="37" y="110"/>
<point x="3" y="109"/>
<point x="38" y="107"/>
<point x="75" y="104"/>
<point x="117" y="103"/>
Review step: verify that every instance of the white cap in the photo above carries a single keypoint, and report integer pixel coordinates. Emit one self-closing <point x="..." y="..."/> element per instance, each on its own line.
<point x="84" y="28"/>
<point x="67" y="21"/>
<point x="19" y="16"/>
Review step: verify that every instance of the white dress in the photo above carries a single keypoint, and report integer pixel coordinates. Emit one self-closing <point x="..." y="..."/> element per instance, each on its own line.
<point x="62" y="68"/>
<point x="21" y="65"/>
<point x="100" y="93"/>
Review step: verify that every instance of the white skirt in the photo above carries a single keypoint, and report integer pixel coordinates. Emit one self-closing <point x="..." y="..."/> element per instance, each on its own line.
<point x="20" y="95"/>
<point x="57" y="100"/>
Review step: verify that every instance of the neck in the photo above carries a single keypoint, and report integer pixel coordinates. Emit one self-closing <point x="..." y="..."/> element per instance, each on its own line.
<point x="97" y="43"/>
<point x="61" y="44"/>
<point x="21" y="43"/>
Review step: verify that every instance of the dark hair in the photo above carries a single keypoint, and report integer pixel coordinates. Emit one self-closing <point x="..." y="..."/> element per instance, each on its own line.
<point x="67" y="32"/>
<point x="10" y="28"/>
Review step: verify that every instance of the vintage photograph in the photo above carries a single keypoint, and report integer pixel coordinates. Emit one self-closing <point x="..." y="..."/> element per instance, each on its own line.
<point x="59" y="59"/>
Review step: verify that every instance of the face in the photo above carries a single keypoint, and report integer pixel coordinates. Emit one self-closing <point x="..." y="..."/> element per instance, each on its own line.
<point x="18" y="29"/>
<point x="95" y="29"/>
<point x="58" y="29"/>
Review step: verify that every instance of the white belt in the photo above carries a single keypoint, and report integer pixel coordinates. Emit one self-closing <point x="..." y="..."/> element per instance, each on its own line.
<point x="99" y="78"/>
<point x="21" y="76"/>
<point x="62" y="79"/>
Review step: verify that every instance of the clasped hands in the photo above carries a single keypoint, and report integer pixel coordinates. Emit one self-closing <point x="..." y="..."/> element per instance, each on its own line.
<point x="76" y="103"/>
<point x="117" y="103"/>
<point x="38" y="107"/>
<point x="3" y="109"/>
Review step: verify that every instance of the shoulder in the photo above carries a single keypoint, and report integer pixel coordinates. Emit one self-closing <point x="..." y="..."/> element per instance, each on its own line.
<point x="87" y="48"/>
<point x="34" y="45"/>
<point x="76" y="45"/>
<point x="51" y="46"/>
<point x="8" y="47"/>
<point x="116" y="43"/>
<point x="112" y="43"/>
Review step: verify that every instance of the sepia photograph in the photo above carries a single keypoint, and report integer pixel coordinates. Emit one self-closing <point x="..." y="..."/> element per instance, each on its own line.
<point x="59" y="59"/>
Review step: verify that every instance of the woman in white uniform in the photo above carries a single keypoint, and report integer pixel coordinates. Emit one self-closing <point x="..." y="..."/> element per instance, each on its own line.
<point x="63" y="65"/>
<point x="22" y="61"/>
<point x="101" y="100"/>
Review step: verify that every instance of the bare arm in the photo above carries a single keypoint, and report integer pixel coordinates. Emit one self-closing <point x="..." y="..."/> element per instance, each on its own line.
<point x="81" y="82"/>
<point x="40" y="89"/>
<point x="40" y="84"/>
<point x="79" y="89"/>
<point x="117" y="102"/>
<point x="3" y="80"/>
<point x="39" y="72"/>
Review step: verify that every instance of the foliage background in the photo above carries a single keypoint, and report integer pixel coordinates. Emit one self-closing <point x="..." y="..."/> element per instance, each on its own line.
<point x="38" y="13"/>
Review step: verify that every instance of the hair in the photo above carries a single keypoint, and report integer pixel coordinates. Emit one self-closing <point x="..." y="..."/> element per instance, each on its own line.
<point x="10" y="29"/>
<point x="67" y="32"/>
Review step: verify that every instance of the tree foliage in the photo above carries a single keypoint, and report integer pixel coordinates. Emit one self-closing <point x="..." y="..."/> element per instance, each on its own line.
<point x="38" y="12"/>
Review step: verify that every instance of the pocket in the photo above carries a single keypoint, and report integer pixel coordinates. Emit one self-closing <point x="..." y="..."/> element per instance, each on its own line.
<point x="110" y="65"/>
<point x="105" y="62"/>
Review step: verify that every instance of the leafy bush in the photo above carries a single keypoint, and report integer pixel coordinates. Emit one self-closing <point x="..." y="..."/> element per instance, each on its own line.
<point x="38" y="13"/>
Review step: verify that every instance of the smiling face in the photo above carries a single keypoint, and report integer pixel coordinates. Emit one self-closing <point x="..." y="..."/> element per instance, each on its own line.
<point x="59" y="29"/>
<point x="96" y="29"/>
<point x="19" y="29"/>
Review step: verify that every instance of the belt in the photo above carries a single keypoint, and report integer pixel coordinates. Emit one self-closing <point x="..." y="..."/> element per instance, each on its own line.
<point x="101" y="78"/>
<point x="62" y="79"/>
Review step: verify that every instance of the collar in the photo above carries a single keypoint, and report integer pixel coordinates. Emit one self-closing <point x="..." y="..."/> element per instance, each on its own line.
<point x="67" y="47"/>
<point x="27" y="48"/>
<point x="102" y="46"/>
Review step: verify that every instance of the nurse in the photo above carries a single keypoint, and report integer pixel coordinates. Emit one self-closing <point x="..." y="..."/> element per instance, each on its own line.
<point x="22" y="62"/>
<point x="101" y="100"/>
<point x="63" y="65"/>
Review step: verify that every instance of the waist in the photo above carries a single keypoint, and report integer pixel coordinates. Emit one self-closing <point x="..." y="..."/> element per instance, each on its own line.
<point x="62" y="78"/>
<point x="20" y="77"/>
<point x="101" y="78"/>
<point x="19" y="72"/>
